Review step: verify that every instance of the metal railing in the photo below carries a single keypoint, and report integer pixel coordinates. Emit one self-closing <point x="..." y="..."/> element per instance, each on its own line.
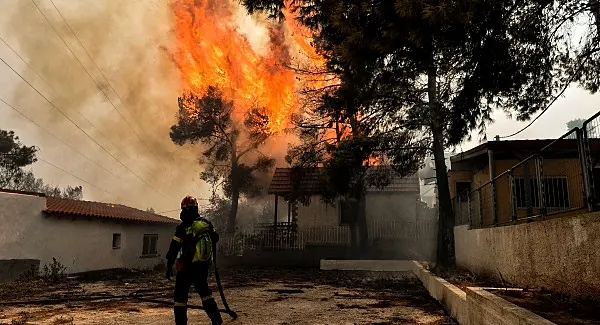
<point x="561" y="177"/>
<point x="328" y="235"/>
<point x="269" y="239"/>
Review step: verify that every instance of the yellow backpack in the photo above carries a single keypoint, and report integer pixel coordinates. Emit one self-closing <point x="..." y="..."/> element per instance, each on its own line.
<point x="200" y="232"/>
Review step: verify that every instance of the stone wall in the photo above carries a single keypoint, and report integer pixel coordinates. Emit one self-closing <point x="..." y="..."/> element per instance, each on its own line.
<point x="559" y="254"/>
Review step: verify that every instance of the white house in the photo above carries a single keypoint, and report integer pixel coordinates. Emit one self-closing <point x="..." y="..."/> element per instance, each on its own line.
<point x="391" y="212"/>
<point x="81" y="235"/>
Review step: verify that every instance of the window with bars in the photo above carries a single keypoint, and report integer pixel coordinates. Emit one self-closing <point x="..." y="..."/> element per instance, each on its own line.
<point x="116" y="242"/>
<point x="463" y="190"/>
<point x="556" y="192"/>
<point x="150" y="245"/>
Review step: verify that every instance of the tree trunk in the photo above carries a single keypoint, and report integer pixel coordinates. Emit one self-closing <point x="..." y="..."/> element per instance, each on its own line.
<point x="445" y="245"/>
<point x="235" y="196"/>
<point x="361" y="218"/>
<point x="235" y="192"/>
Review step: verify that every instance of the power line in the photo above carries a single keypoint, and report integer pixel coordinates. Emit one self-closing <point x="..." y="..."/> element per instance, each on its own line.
<point x="549" y="105"/>
<point x="94" y="80"/>
<point x="99" y="70"/>
<point x="84" y="132"/>
<point x="77" y="177"/>
<point x="60" y="140"/>
<point x="53" y="90"/>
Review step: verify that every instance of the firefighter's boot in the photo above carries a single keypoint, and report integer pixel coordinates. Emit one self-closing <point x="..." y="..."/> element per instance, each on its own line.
<point x="180" y="315"/>
<point x="212" y="310"/>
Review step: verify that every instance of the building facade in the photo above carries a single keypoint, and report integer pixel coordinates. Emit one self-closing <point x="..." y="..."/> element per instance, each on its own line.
<point x="81" y="235"/>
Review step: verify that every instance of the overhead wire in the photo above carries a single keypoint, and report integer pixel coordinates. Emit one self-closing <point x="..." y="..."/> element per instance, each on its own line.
<point x="76" y="125"/>
<point x="94" y="80"/>
<point x="54" y="91"/>
<point x="101" y="73"/>
<point x="59" y="139"/>
<point x="550" y="104"/>
<point x="77" y="177"/>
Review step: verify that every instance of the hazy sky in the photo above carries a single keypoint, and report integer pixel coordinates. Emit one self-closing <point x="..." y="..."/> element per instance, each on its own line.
<point x="120" y="87"/>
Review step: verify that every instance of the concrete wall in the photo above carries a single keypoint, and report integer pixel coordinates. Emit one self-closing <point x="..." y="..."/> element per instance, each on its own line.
<point x="380" y="206"/>
<point x="11" y="270"/>
<point x="79" y="244"/>
<point x="560" y="254"/>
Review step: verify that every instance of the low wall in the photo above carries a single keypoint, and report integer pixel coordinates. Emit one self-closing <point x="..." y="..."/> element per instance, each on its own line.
<point x="11" y="270"/>
<point x="454" y="299"/>
<point x="475" y="306"/>
<point x="559" y="254"/>
<point x="368" y="265"/>
<point x="310" y="257"/>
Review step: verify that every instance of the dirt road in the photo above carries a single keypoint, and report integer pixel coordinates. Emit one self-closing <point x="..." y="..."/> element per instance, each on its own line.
<point x="260" y="296"/>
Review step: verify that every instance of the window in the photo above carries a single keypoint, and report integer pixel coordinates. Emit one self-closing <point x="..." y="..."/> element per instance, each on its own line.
<point x="116" y="243"/>
<point x="150" y="243"/>
<point x="556" y="192"/>
<point x="463" y="189"/>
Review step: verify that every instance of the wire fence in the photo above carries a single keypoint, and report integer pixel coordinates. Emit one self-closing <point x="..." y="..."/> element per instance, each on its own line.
<point x="288" y="239"/>
<point x="561" y="177"/>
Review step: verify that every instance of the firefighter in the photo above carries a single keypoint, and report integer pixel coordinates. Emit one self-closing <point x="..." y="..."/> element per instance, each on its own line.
<point x="194" y="237"/>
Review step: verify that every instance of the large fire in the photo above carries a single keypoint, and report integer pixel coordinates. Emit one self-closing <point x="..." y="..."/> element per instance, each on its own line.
<point x="211" y="51"/>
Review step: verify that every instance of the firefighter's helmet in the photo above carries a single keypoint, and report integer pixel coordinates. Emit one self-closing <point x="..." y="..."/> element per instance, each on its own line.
<point x="189" y="201"/>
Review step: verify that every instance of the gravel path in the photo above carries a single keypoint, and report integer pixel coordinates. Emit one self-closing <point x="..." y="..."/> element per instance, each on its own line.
<point x="260" y="296"/>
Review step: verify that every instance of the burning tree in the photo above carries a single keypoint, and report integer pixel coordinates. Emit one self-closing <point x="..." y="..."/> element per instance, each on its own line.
<point x="231" y="158"/>
<point x="450" y="64"/>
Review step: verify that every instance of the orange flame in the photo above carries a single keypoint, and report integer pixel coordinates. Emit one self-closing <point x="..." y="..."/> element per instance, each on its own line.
<point x="210" y="51"/>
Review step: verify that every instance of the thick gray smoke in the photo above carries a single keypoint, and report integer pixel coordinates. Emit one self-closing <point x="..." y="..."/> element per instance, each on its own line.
<point x="124" y="39"/>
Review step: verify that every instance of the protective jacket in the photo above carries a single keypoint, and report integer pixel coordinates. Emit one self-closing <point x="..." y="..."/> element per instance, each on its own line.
<point x="194" y="239"/>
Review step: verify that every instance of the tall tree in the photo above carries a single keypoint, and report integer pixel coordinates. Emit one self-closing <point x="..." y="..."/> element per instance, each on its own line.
<point x="449" y="64"/>
<point x="14" y="156"/>
<point x="231" y="157"/>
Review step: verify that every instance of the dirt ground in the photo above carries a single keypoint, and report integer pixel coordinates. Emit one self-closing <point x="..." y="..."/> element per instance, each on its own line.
<point x="259" y="296"/>
<point x="558" y="308"/>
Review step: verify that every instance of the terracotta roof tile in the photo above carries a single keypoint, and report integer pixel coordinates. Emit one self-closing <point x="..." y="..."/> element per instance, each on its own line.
<point x="313" y="181"/>
<point x="102" y="210"/>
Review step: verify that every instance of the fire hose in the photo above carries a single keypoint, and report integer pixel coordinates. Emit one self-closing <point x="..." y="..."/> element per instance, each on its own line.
<point x="145" y="295"/>
<point x="227" y="310"/>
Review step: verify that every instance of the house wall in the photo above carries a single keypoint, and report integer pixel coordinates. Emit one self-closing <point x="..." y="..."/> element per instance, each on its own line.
<point x="81" y="244"/>
<point x="389" y="206"/>
<point x="318" y="214"/>
<point x="560" y="254"/>
<point x="455" y="176"/>
<point x="569" y="168"/>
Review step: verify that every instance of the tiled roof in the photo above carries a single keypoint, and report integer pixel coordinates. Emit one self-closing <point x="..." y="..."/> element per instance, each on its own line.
<point x="5" y="190"/>
<point x="313" y="181"/>
<point x="102" y="210"/>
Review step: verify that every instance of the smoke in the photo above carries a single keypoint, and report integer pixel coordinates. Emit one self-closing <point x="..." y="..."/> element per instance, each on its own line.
<point x="104" y="65"/>
<point x="123" y="40"/>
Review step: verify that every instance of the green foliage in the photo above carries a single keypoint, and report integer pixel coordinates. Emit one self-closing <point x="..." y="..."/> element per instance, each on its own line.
<point x="438" y="67"/>
<point x="14" y="156"/>
<point x="576" y="123"/>
<point x="54" y="272"/>
<point x="230" y="157"/>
